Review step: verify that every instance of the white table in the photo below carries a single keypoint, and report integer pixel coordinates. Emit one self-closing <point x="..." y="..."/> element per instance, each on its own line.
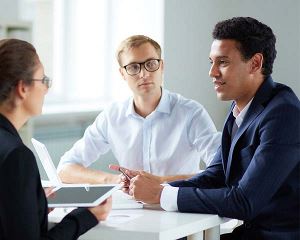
<point x="149" y="223"/>
<point x="154" y="224"/>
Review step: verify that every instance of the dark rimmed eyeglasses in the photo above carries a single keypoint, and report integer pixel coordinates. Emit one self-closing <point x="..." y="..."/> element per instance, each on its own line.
<point x="45" y="80"/>
<point x="150" y="65"/>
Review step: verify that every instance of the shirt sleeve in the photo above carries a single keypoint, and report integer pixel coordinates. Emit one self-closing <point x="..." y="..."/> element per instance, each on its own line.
<point x="89" y="148"/>
<point x="168" y="198"/>
<point x="203" y="135"/>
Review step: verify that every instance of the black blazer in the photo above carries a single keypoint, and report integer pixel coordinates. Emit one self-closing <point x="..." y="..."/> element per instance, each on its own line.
<point x="256" y="177"/>
<point x="23" y="205"/>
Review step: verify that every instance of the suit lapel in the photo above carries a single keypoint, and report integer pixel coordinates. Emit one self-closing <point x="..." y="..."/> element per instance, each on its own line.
<point x="226" y="135"/>
<point x="257" y="106"/>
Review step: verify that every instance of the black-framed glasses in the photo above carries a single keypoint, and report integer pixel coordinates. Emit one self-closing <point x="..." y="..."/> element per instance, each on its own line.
<point x="150" y="65"/>
<point x="45" y="80"/>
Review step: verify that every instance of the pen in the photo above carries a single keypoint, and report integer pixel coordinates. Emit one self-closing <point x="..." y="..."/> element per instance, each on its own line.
<point x="126" y="175"/>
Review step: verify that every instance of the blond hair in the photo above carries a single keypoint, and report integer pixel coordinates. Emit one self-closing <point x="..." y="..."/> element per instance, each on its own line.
<point x="136" y="41"/>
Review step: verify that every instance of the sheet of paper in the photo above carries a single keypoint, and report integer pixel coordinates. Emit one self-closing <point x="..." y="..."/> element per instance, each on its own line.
<point x="124" y="201"/>
<point x="116" y="218"/>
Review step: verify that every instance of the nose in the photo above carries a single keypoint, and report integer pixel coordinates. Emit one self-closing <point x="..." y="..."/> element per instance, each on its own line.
<point x="143" y="73"/>
<point x="214" y="71"/>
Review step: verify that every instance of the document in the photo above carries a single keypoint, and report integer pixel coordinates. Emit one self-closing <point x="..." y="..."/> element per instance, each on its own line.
<point x="122" y="200"/>
<point x="116" y="218"/>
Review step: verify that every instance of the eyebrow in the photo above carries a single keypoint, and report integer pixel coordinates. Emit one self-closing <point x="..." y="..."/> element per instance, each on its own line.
<point x="218" y="58"/>
<point x="151" y="58"/>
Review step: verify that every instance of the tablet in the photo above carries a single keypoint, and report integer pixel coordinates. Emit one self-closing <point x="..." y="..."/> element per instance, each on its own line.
<point x="74" y="196"/>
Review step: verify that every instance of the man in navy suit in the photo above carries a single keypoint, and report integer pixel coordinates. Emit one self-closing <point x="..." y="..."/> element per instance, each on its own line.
<point x="254" y="176"/>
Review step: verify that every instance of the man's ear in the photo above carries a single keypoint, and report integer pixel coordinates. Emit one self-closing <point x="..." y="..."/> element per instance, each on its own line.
<point x="121" y="70"/>
<point x="162" y="65"/>
<point x="256" y="62"/>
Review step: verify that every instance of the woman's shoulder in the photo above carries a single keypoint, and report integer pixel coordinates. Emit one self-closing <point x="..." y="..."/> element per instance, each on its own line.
<point x="13" y="147"/>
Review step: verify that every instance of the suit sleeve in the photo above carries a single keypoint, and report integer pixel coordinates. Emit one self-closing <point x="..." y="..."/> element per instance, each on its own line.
<point x="23" y="207"/>
<point x="274" y="160"/>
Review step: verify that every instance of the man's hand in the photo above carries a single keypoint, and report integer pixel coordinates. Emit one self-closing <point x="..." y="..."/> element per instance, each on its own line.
<point x="146" y="188"/>
<point x="125" y="176"/>
<point x="128" y="174"/>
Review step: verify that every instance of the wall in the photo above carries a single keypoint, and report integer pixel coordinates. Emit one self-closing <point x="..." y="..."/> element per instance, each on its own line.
<point x="188" y="27"/>
<point x="8" y="10"/>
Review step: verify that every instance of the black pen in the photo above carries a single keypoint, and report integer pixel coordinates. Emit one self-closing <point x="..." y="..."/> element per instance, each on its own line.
<point x="126" y="175"/>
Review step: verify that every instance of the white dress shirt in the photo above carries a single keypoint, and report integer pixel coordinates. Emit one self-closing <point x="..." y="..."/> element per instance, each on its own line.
<point x="168" y="198"/>
<point x="169" y="141"/>
<point x="240" y="115"/>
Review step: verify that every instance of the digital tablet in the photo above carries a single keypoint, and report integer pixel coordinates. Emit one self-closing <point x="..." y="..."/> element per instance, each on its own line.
<point x="74" y="196"/>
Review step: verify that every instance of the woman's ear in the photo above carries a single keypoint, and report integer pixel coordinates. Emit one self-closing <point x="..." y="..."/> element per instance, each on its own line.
<point x="22" y="90"/>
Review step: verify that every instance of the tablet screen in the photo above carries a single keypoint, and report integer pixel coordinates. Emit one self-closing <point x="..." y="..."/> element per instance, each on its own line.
<point x="81" y="196"/>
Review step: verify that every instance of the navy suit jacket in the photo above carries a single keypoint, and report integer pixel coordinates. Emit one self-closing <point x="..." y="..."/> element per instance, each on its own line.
<point x="23" y="205"/>
<point x="256" y="178"/>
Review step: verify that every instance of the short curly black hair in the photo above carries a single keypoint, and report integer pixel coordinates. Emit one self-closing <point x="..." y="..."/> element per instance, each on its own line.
<point x="252" y="37"/>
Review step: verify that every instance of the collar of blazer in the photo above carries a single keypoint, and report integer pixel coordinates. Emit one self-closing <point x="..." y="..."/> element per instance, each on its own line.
<point x="7" y="125"/>
<point x="260" y="99"/>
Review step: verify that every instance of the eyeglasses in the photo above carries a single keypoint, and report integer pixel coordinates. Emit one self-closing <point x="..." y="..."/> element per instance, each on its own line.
<point x="45" y="80"/>
<point x="151" y="65"/>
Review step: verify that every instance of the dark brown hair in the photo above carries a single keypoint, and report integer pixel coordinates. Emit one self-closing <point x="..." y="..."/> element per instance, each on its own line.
<point x="18" y="60"/>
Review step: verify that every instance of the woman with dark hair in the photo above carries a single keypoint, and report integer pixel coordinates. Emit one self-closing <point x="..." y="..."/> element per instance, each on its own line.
<point x="23" y="205"/>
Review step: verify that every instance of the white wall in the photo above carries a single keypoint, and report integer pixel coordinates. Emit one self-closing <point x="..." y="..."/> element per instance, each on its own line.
<point x="9" y="10"/>
<point x="188" y="27"/>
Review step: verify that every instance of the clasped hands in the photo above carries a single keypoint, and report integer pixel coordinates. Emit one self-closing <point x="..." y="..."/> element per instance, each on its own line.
<point x="142" y="186"/>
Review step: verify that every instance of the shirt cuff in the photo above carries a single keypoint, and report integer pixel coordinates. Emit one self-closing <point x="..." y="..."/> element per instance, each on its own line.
<point x="168" y="198"/>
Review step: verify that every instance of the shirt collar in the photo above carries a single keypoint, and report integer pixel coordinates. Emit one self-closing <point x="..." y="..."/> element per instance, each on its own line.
<point x="164" y="105"/>
<point x="239" y="115"/>
<point x="130" y="109"/>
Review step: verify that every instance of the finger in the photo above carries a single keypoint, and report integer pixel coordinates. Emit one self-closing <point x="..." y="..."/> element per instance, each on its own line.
<point x="51" y="195"/>
<point x="130" y="192"/>
<point x="124" y="180"/>
<point x="109" y="200"/>
<point x="48" y="191"/>
<point x="125" y="184"/>
<point x="50" y="210"/>
<point x="132" y="173"/>
<point x="146" y="174"/>
<point x="125" y="190"/>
